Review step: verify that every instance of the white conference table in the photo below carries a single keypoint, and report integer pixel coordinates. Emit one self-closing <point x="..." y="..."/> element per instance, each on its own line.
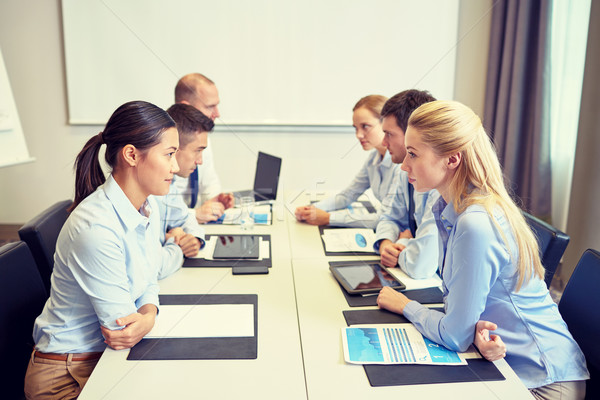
<point x="299" y="341"/>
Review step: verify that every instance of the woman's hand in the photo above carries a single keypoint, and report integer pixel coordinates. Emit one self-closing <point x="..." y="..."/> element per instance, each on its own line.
<point x="137" y="325"/>
<point x="312" y="215"/>
<point x="490" y="346"/>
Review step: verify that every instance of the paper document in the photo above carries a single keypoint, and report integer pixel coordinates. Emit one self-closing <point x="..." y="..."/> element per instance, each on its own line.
<point x="349" y="239"/>
<point x="204" y="320"/>
<point x="394" y="344"/>
<point x="209" y="249"/>
<point x="358" y="208"/>
<point x="261" y="214"/>
<point x="410" y="283"/>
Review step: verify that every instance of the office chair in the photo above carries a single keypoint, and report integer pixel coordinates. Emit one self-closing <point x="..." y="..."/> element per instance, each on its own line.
<point x="553" y="244"/>
<point x="41" y="233"/>
<point x="22" y="298"/>
<point x="579" y="308"/>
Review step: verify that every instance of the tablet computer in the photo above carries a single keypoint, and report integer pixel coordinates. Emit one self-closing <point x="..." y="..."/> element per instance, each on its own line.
<point x="364" y="278"/>
<point x="237" y="247"/>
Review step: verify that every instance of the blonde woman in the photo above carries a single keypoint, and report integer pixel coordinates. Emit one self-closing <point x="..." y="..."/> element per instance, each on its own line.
<point x="488" y="255"/>
<point x="376" y="173"/>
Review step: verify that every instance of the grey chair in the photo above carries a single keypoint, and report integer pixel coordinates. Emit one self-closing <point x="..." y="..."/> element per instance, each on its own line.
<point x="579" y="308"/>
<point x="22" y="298"/>
<point x="553" y="244"/>
<point x="41" y="233"/>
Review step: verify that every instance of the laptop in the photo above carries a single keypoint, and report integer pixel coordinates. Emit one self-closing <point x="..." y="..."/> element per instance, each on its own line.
<point x="266" y="180"/>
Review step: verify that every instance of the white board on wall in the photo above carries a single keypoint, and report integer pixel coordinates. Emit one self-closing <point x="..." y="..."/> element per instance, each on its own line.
<point x="275" y="62"/>
<point x="13" y="148"/>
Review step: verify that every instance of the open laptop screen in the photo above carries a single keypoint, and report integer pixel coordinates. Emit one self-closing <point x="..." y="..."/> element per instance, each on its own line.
<point x="267" y="175"/>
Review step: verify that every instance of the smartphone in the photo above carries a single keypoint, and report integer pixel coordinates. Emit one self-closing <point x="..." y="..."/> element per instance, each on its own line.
<point x="249" y="270"/>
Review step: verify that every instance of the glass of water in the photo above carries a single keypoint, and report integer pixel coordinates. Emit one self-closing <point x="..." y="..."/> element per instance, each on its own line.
<point x="247" y="214"/>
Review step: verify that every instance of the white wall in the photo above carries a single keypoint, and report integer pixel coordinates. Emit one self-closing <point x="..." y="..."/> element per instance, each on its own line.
<point x="31" y="41"/>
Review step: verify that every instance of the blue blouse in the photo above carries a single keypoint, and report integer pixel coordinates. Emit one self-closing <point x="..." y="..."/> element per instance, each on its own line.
<point x="479" y="283"/>
<point x="377" y="173"/>
<point x="107" y="259"/>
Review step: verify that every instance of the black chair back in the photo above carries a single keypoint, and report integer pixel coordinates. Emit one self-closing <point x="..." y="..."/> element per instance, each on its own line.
<point x="22" y="298"/>
<point x="553" y="244"/>
<point x="579" y="308"/>
<point x="41" y="233"/>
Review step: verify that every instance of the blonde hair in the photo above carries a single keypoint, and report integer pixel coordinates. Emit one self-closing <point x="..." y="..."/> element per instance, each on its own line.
<point x="373" y="102"/>
<point x="450" y="127"/>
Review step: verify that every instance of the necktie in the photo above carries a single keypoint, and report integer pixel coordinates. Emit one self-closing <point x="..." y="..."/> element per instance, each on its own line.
<point x="412" y="223"/>
<point x="194" y="188"/>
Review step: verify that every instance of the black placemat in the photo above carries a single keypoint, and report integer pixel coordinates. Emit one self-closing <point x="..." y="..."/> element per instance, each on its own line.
<point x="424" y="296"/>
<point x="414" y="374"/>
<point x="200" y="348"/>
<point x="202" y="262"/>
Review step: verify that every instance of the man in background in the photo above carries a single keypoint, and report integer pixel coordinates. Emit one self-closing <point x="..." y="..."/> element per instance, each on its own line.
<point x="203" y="187"/>
<point x="406" y="234"/>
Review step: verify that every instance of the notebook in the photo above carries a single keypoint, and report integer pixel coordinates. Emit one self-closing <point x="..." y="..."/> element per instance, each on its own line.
<point x="266" y="179"/>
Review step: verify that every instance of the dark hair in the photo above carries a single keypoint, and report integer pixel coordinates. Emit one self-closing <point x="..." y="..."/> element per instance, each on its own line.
<point x="187" y="87"/>
<point x="189" y="120"/>
<point x="401" y="105"/>
<point x="138" y="123"/>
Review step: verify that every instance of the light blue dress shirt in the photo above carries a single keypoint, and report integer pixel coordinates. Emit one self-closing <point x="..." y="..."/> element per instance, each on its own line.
<point x="419" y="259"/>
<point x="175" y="213"/>
<point x="376" y="173"/>
<point x="479" y="281"/>
<point x="106" y="263"/>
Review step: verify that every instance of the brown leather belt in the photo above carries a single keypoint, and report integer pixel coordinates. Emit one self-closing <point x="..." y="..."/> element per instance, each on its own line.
<point x="63" y="357"/>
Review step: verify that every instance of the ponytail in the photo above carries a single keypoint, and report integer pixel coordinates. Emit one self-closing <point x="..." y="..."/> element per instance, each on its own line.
<point x="138" y="123"/>
<point x="88" y="172"/>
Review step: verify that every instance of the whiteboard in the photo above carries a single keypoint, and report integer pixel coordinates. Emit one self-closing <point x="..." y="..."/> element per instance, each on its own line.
<point x="13" y="148"/>
<point x="275" y="62"/>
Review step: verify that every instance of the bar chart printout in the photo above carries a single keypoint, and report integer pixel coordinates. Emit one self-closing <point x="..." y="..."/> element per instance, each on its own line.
<point x="394" y="344"/>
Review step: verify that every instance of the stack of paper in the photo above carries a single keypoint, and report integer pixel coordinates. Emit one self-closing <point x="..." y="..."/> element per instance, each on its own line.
<point x="348" y="239"/>
<point x="262" y="215"/>
<point x="204" y="320"/>
<point x="395" y="344"/>
<point x="411" y="284"/>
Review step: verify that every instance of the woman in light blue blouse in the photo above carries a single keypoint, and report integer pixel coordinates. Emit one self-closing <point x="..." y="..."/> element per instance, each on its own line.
<point x="104" y="283"/>
<point x="489" y="257"/>
<point x="376" y="173"/>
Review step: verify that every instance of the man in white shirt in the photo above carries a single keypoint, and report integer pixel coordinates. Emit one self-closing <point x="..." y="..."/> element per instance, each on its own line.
<point x="406" y="235"/>
<point x="200" y="92"/>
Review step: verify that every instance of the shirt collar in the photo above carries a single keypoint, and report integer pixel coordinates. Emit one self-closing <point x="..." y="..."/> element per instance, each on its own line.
<point x="445" y="212"/>
<point x="127" y="213"/>
<point x="385" y="162"/>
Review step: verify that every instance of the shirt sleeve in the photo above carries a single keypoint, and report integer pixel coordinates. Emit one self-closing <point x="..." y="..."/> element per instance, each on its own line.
<point x="419" y="259"/>
<point x="394" y="210"/>
<point x="348" y="219"/>
<point x="175" y="213"/>
<point x="98" y="265"/>
<point x="209" y="184"/>
<point x="343" y="199"/>
<point x="172" y="259"/>
<point x="472" y="265"/>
